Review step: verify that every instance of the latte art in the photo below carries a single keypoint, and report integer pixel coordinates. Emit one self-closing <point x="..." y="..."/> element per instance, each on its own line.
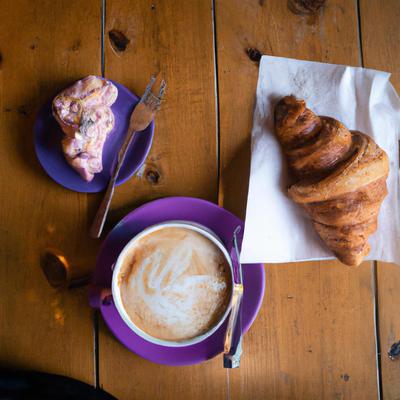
<point x="175" y="284"/>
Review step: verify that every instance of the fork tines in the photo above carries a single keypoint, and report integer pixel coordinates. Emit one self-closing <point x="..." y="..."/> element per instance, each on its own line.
<point x="149" y="98"/>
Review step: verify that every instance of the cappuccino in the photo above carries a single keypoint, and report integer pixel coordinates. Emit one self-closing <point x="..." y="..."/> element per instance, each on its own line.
<point x="175" y="284"/>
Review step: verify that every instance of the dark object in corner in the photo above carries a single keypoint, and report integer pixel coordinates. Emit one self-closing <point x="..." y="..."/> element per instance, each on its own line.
<point x="28" y="385"/>
<point x="305" y="6"/>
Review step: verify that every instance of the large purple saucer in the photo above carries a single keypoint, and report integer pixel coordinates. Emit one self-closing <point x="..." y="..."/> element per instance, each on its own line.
<point x="48" y="136"/>
<point x="203" y="212"/>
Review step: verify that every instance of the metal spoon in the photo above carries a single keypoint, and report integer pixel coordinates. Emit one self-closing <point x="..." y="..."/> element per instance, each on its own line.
<point x="58" y="272"/>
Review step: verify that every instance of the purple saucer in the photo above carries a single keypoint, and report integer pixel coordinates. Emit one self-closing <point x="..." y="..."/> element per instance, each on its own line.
<point x="48" y="137"/>
<point x="203" y="212"/>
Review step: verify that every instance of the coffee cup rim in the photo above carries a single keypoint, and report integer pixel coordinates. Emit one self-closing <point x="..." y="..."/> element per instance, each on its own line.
<point x="116" y="293"/>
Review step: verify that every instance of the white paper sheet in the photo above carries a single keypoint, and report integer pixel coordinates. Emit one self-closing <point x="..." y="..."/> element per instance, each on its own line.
<point x="276" y="229"/>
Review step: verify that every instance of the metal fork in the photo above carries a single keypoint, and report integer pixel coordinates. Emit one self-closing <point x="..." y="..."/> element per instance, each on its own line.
<point x="140" y="119"/>
<point x="233" y="334"/>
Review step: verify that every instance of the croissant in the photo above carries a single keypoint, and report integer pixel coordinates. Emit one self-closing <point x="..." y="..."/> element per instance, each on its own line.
<point x="341" y="177"/>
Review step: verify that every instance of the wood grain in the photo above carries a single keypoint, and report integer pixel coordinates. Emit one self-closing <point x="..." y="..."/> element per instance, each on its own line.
<point x="174" y="38"/>
<point x="44" y="46"/>
<point x="314" y="337"/>
<point x="381" y="50"/>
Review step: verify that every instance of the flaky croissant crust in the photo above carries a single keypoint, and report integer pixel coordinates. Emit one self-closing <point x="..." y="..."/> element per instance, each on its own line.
<point x="341" y="177"/>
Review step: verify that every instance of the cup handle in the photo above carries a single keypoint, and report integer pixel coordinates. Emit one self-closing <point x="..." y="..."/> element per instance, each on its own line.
<point x="98" y="295"/>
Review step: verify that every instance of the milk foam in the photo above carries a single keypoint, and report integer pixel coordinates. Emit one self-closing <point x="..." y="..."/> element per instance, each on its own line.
<point x="175" y="284"/>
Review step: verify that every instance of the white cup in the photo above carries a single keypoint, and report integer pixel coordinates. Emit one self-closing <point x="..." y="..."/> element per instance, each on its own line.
<point x="116" y="293"/>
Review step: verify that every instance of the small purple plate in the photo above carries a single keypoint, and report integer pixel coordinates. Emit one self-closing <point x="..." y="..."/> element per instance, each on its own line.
<point x="217" y="219"/>
<point x="48" y="136"/>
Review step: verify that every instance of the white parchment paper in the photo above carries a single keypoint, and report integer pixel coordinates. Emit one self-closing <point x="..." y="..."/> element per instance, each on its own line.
<point x="276" y="229"/>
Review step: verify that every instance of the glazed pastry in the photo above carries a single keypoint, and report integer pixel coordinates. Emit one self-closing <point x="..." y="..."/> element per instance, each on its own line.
<point x="84" y="114"/>
<point x="341" y="177"/>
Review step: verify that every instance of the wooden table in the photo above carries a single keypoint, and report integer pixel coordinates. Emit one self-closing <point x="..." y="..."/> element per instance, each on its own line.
<point x="323" y="330"/>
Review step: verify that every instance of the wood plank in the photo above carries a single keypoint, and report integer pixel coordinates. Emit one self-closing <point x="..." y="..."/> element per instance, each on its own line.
<point x="380" y="35"/>
<point x="176" y="39"/>
<point x="381" y="49"/>
<point x="314" y="337"/>
<point x="44" y="46"/>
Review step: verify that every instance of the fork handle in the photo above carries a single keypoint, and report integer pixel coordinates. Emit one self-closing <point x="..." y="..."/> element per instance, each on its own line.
<point x="101" y="215"/>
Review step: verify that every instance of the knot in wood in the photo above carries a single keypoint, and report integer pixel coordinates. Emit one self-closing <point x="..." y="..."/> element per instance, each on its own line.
<point x="305" y="6"/>
<point x="394" y="351"/>
<point x="119" y="42"/>
<point x="153" y="176"/>
<point x="254" y="54"/>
